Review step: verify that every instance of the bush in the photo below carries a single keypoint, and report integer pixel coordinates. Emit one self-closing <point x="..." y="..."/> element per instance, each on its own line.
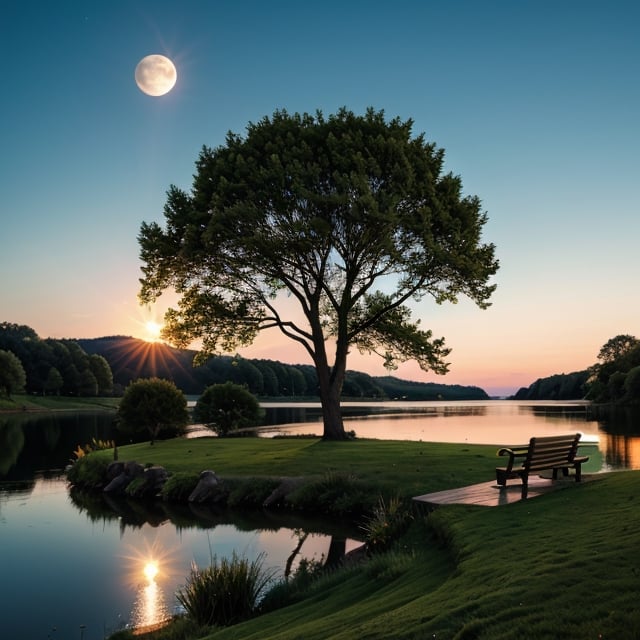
<point x="336" y="494"/>
<point x="155" y="405"/>
<point x="179" y="486"/>
<point x="225" y="592"/>
<point x="227" y="407"/>
<point x="251" y="492"/>
<point x="89" y="472"/>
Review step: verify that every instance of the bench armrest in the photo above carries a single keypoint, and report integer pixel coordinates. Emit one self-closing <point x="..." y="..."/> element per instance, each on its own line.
<point x="515" y="452"/>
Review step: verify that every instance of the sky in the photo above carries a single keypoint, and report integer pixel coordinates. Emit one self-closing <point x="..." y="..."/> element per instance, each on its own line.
<point x="535" y="102"/>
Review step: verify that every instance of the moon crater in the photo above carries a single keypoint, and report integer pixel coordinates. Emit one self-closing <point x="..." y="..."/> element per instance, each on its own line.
<point x="156" y="75"/>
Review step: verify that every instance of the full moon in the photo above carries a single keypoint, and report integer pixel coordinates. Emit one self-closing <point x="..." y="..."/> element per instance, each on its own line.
<point x="156" y="75"/>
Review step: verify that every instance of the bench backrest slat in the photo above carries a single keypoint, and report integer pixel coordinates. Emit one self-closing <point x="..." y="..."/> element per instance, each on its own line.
<point x="545" y="452"/>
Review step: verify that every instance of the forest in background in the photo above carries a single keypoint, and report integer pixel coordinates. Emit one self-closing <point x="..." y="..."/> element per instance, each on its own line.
<point x="105" y="366"/>
<point x="131" y="358"/>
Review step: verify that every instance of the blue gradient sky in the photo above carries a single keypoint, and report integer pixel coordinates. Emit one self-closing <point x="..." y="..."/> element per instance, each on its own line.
<point x="537" y="104"/>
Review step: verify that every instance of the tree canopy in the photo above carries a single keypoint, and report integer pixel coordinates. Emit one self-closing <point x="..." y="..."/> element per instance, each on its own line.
<point x="56" y="366"/>
<point x="12" y="375"/>
<point x="348" y="216"/>
<point x="155" y="405"/>
<point x="614" y="378"/>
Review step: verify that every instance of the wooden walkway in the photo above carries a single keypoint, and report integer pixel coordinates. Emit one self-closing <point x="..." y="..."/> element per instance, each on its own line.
<point x="490" y="494"/>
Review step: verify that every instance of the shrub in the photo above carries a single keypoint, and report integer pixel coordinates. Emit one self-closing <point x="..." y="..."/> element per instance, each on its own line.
<point x="155" y="405"/>
<point x="89" y="472"/>
<point x="251" y="492"/>
<point x="335" y="494"/>
<point x="227" y="407"/>
<point x="225" y="592"/>
<point x="179" y="486"/>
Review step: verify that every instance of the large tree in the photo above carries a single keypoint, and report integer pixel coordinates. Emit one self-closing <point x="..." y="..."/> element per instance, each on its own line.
<point x="349" y="216"/>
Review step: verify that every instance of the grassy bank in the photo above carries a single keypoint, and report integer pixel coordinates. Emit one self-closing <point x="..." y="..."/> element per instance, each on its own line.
<point x="55" y="403"/>
<point x="560" y="565"/>
<point x="404" y="468"/>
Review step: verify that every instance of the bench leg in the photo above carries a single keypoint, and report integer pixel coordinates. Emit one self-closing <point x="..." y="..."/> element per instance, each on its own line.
<point x="525" y="487"/>
<point x="578" y="471"/>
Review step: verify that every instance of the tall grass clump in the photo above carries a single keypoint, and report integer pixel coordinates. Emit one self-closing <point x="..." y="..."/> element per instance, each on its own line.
<point x="386" y="524"/>
<point x="226" y="592"/>
<point x="89" y="472"/>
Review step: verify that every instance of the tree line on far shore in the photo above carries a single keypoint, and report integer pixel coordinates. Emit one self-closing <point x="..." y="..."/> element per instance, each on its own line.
<point x="613" y="379"/>
<point x="106" y="366"/>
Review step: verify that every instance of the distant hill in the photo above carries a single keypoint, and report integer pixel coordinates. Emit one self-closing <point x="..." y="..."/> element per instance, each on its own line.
<point x="131" y="358"/>
<point x="562" y="386"/>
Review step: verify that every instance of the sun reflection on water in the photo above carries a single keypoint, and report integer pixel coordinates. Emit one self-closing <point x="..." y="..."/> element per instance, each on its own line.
<point x="150" y="609"/>
<point x="146" y="571"/>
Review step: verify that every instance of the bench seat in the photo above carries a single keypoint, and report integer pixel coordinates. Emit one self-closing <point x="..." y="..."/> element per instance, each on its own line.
<point x="548" y="453"/>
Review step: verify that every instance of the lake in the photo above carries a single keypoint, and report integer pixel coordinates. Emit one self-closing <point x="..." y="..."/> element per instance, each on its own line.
<point x="74" y="567"/>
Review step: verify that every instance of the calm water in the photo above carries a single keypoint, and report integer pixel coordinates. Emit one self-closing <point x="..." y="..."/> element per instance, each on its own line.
<point x="496" y="422"/>
<point x="75" y="568"/>
<point x="69" y="570"/>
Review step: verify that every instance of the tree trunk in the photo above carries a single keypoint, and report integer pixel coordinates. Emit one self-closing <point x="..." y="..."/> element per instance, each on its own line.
<point x="330" y="387"/>
<point x="332" y="417"/>
<point x="330" y="380"/>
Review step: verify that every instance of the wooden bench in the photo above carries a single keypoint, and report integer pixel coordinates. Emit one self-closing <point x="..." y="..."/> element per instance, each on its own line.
<point x="541" y="454"/>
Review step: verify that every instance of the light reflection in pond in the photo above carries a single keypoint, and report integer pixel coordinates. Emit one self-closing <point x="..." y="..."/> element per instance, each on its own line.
<point x="150" y="609"/>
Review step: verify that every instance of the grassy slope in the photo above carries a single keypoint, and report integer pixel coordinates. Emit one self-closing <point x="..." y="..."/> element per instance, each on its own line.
<point x="56" y="403"/>
<point x="562" y="565"/>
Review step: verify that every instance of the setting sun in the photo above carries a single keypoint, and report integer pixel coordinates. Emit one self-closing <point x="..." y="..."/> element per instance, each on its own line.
<point x="152" y="330"/>
<point x="150" y="570"/>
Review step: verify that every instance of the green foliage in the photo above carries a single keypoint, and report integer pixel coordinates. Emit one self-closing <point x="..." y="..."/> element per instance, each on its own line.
<point x="294" y="588"/>
<point x="386" y="524"/>
<point x="226" y="592"/>
<point x="102" y="372"/>
<point x="227" y="407"/>
<point x="179" y="486"/>
<point x="336" y="494"/>
<point x="89" y="472"/>
<point x="40" y="357"/>
<point x="12" y="375"/>
<point x="564" y="386"/>
<point x="54" y="382"/>
<point x="608" y="379"/>
<point x="488" y="578"/>
<point x="250" y="493"/>
<point x="324" y="210"/>
<point x="390" y="566"/>
<point x="632" y="386"/>
<point x="617" y="348"/>
<point x="155" y="405"/>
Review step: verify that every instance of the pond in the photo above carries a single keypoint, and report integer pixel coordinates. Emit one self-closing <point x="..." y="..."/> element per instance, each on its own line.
<point x="74" y="566"/>
<point x="71" y="569"/>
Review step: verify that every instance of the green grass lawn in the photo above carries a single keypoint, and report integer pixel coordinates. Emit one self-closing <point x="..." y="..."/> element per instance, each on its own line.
<point x="562" y="565"/>
<point x="396" y="467"/>
<point x="56" y="403"/>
